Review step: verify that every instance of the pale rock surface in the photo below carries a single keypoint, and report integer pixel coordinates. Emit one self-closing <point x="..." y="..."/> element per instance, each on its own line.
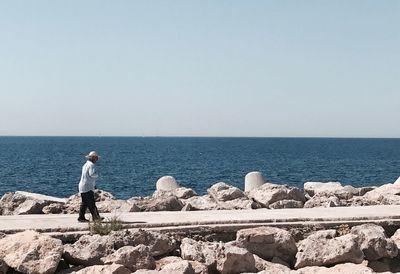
<point x="270" y="193"/>
<point x="224" y="258"/>
<point x="232" y="259"/>
<point x="268" y="242"/>
<point x="239" y="203"/>
<point x="322" y="199"/>
<point x="286" y="204"/>
<point x="397" y="182"/>
<point x="178" y="267"/>
<point x="322" y="248"/>
<point x="204" y="202"/>
<point x="222" y="192"/>
<point x="374" y="242"/>
<point x="22" y="202"/>
<point x="54" y="208"/>
<point x="180" y="193"/>
<point x="347" y="268"/>
<point x="158" y="243"/>
<point x="396" y="238"/>
<point x="133" y="258"/>
<point x="199" y="268"/>
<point x="253" y="180"/>
<point x="312" y="188"/>
<point x="31" y="252"/>
<point x="105" y="269"/>
<point x="269" y="267"/>
<point x="88" y="250"/>
<point x="168" y="203"/>
<point x="114" y="206"/>
<point x="204" y="252"/>
<point x="386" y="194"/>
<point x="30" y="207"/>
<point x="166" y="183"/>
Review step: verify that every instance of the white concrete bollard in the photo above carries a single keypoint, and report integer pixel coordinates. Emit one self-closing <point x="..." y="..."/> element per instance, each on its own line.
<point x="253" y="180"/>
<point x="166" y="183"/>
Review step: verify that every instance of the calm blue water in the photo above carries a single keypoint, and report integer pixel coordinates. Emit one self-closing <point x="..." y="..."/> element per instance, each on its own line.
<point x="130" y="166"/>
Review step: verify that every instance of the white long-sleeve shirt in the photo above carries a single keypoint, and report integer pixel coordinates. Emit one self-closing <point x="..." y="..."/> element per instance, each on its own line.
<point x="88" y="178"/>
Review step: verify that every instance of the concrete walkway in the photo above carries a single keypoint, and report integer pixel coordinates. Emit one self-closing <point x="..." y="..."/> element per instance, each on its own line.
<point x="222" y="218"/>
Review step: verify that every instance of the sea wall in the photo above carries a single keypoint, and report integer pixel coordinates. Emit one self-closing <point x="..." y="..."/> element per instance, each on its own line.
<point x="362" y="249"/>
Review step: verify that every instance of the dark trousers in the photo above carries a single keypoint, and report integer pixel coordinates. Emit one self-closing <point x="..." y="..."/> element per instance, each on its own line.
<point x="88" y="202"/>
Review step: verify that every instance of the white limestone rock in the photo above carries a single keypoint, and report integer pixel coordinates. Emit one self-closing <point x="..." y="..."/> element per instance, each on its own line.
<point x="374" y="242"/>
<point x="268" y="194"/>
<point x="322" y="248"/>
<point x="322" y="199"/>
<point x="31" y="252"/>
<point x="346" y="268"/>
<point x="312" y="188"/>
<point x="286" y="204"/>
<point x="159" y="243"/>
<point x="133" y="258"/>
<point x="88" y="250"/>
<point x="268" y="242"/>
<point x="105" y="269"/>
<point x="201" y="202"/>
<point x="222" y="192"/>
<point x="253" y="180"/>
<point x="270" y="267"/>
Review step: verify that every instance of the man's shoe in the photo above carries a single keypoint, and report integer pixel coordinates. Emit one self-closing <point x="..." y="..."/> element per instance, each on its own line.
<point x="83" y="220"/>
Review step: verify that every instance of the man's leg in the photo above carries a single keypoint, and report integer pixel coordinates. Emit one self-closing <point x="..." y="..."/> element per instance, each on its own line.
<point x="92" y="206"/>
<point x="84" y="206"/>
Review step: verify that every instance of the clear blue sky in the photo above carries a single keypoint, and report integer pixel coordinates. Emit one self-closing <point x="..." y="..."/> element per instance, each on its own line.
<point x="200" y="68"/>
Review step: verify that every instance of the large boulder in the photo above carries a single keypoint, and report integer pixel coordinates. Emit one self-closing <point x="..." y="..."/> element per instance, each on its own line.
<point x="312" y="188"/>
<point x="374" y="242"/>
<point x="222" y="192"/>
<point x="88" y="250"/>
<point x="159" y="244"/>
<point x="270" y="267"/>
<point x="204" y="252"/>
<point x="323" y="248"/>
<point x="178" y="267"/>
<point x="286" y="204"/>
<point x="322" y="199"/>
<point x="22" y="202"/>
<point x="180" y="193"/>
<point x="170" y="203"/>
<point x="337" y="269"/>
<point x="268" y="242"/>
<point x="268" y="194"/>
<point x="232" y="259"/>
<point x="31" y="252"/>
<point x="104" y="269"/>
<point x="112" y="206"/>
<point x="388" y="194"/>
<point x="133" y="258"/>
<point x="201" y="202"/>
<point x="165" y="263"/>
<point x="224" y="258"/>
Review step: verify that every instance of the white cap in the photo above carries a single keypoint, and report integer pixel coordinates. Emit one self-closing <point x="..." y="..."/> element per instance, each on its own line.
<point x="92" y="154"/>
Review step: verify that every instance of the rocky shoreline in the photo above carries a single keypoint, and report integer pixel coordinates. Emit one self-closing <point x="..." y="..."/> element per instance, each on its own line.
<point x="168" y="196"/>
<point x="367" y="248"/>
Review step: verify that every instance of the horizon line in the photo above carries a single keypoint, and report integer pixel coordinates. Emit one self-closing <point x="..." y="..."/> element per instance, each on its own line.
<point x="196" y="136"/>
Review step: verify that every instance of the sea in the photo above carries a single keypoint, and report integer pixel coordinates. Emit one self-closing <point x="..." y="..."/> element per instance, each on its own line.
<point x="131" y="166"/>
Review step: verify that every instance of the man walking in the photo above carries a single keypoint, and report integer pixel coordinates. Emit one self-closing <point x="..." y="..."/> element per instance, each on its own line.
<point x="87" y="185"/>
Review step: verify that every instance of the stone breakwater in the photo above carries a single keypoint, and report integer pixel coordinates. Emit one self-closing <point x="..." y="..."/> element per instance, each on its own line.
<point x="366" y="248"/>
<point x="168" y="196"/>
<point x="265" y="250"/>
